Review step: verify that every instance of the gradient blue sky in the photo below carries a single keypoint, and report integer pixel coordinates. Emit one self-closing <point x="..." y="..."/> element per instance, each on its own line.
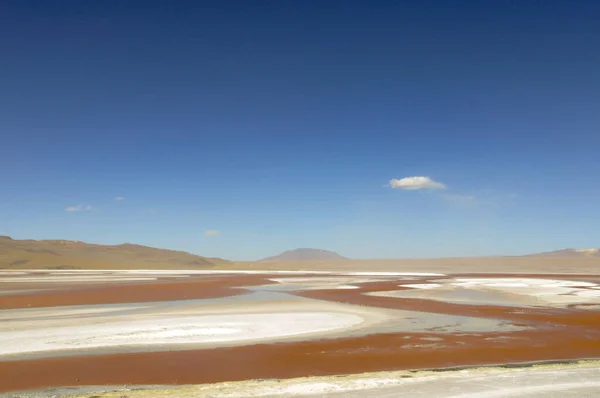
<point x="280" y="124"/>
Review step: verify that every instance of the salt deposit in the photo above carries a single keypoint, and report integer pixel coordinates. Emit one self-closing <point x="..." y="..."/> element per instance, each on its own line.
<point x="423" y="285"/>
<point x="236" y="320"/>
<point x="501" y="291"/>
<point x="174" y="330"/>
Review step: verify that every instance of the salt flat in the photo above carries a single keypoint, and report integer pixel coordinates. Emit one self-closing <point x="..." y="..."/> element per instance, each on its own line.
<point x="501" y="291"/>
<point x="85" y="328"/>
<point x="245" y="319"/>
<point x="174" y="330"/>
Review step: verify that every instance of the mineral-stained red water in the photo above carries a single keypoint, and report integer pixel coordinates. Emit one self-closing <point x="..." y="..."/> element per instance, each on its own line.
<point x="130" y="292"/>
<point x="554" y="334"/>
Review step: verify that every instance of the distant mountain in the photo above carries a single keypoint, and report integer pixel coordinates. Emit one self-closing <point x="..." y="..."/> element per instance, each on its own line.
<point x="570" y="253"/>
<point x="305" y="254"/>
<point x="65" y="254"/>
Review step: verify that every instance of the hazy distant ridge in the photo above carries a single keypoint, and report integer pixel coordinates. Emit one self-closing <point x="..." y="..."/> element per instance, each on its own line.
<point x="305" y="254"/>
<point x="591" y="252"/>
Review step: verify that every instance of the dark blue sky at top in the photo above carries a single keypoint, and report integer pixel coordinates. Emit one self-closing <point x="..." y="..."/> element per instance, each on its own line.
<point x="279" y="123"/>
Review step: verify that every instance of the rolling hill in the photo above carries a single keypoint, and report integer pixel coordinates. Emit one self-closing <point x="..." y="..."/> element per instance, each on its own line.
<point x="65" y="254"/>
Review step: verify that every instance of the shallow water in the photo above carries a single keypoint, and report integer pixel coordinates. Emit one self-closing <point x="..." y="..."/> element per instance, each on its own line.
<point x="107" y="322"/>
<point x="461" y="296"/>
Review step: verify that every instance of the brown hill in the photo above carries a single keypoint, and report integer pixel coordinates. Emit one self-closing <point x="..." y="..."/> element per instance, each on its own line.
<point x="305" y="254"/>
<point x="570" y="253"/>
<point x="65" y="254"/>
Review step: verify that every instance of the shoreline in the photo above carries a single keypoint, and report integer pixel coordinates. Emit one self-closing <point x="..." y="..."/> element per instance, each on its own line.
<point x="227" y="388"/>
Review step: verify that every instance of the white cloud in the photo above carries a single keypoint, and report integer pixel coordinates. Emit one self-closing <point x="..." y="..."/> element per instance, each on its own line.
<point x="414" y="183"/>
<point x="212" y="232"/>
<point x="119" y="198"/>
<point x="79" y="208"/>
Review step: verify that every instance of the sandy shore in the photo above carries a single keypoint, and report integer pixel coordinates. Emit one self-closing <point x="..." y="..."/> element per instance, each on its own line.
<point x="579" y="379"/>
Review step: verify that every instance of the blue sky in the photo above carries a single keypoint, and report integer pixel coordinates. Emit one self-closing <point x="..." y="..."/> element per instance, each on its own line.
<point x="280" y="124"/>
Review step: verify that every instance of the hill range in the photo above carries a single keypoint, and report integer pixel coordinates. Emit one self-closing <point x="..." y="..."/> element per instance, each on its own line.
<point x="64" y="254"/>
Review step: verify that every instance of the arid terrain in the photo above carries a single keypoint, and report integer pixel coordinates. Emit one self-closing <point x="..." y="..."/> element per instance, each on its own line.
<point x="68" y="332"/>
<point x="63" y="254"/>
<point x="157" y="322"/>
